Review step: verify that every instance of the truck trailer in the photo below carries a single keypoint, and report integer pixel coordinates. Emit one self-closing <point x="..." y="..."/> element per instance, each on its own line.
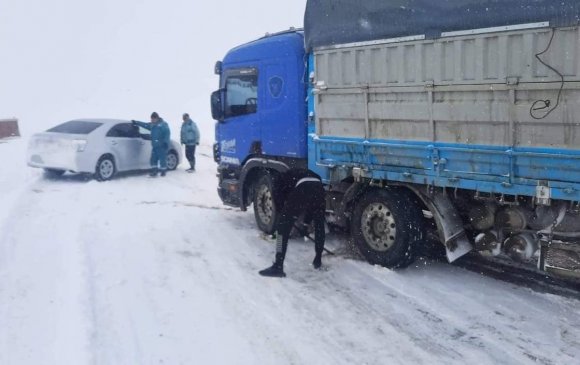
<point x="459" y="117"/>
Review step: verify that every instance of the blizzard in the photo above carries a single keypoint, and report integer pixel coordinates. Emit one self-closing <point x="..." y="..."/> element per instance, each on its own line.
<point x="157" y="271"/>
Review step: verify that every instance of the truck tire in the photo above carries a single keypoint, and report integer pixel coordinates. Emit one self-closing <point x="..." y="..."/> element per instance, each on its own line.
<point x="266" y="206"/>
<point x="387" y="224"/>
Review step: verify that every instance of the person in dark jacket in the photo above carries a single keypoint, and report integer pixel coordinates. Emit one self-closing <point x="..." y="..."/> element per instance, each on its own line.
<point x="189" y="138"/>
<point x="305" y="195"/>
<point x="160" y="136"/>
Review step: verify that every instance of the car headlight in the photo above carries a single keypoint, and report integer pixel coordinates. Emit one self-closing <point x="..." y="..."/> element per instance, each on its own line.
<point x="81" y="144"/>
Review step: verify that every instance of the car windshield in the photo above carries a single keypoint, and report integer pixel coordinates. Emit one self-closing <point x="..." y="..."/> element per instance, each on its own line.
<point x="75" y="127"/>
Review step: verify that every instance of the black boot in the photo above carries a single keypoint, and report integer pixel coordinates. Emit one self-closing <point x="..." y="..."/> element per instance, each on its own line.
<point x="192" y="166"/>
<point x="276" y="270"/>
<point x="153" y="172"/>
<point x="273" y="271"/>
<point x="317" y="263"/>
<point x="163" y="172"/>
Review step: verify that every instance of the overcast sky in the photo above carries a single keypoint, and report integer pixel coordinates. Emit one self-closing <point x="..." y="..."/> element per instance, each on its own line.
<point x="67" y="59"/>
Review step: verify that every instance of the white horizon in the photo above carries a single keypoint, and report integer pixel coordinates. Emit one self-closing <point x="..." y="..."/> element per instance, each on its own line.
<point x="76" y="59"/>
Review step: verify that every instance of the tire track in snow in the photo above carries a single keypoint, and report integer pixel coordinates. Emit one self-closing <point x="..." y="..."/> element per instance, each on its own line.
<point x="45" y="303"/>
<point x="189" y="205"/>
<point x="115" y="337"/>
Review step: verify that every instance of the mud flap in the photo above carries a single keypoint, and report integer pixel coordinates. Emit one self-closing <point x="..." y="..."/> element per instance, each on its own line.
<point x="457" y="248"/>
<point x="449" y="224"/>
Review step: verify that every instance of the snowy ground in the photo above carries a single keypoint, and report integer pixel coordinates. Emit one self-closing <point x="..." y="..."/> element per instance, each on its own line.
<point x="157" y="271"/>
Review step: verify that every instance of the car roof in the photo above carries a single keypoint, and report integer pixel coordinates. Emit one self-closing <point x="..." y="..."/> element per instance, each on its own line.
<point x="104" y="121"/>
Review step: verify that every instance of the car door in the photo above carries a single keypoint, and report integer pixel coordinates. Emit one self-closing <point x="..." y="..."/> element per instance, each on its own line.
<point x="125" y="143"/>
<point x="145" y="156"/>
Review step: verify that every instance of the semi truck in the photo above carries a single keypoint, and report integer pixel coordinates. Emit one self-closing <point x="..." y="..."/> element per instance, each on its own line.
<point x="459" y="117"/>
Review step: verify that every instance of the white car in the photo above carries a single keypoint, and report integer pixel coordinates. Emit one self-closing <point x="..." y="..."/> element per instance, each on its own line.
<point x="101" y="147"/>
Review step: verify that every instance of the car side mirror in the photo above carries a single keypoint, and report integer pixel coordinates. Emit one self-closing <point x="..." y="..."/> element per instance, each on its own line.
<point x="217" y="105"/>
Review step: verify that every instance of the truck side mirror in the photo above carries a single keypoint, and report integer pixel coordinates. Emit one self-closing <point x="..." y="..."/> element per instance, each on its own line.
<point x="217" y="109"/>
<point x="218" y="68"/>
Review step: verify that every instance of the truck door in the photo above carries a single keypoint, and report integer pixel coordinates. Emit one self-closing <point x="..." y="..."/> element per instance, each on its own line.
<point x="272" y="117"/>
<point x="239" y="130"/>
<point x="283" y="110"/>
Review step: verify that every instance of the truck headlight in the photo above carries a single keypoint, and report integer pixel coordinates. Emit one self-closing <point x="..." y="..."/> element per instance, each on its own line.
<point x="81" y="144"/>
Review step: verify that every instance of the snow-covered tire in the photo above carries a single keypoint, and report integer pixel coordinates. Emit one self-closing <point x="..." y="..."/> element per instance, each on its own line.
<point x="387" y="224"/>
<point x="172" y="160"/>
<point x="106" y="168"/>
<point x="266" y="205"/>
<point x="53" y="173"/>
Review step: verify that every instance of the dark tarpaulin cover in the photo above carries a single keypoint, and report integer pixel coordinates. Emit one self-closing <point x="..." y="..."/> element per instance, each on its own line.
<point x="331" y="22"/>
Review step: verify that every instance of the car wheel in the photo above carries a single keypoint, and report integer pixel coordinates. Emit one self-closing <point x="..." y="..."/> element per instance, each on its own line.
<point x="172" y="160"/>
<point x="387" y="226"/>
<point x="266" y="206"/>
<point x="53" y="174"/>
<point x="106" y="168"/>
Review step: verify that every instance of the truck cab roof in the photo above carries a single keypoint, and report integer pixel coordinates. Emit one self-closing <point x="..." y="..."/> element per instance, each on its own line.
<point x="286" y="42"/>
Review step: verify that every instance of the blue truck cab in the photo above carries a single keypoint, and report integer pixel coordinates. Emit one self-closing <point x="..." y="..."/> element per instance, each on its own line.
<point x="261" y="112"/>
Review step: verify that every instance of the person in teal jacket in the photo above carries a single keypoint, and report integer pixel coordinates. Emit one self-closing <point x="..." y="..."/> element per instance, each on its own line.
<point x="189" y="138"/>
<point x="160" y="135"/>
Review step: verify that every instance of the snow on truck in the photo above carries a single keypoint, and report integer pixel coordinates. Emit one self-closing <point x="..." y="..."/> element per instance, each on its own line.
<point x="462" y="116"/>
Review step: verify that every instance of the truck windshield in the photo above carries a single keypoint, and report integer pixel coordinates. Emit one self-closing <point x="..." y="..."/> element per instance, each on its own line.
<point x="241" y="93"/>
<point x="75" y="127"/>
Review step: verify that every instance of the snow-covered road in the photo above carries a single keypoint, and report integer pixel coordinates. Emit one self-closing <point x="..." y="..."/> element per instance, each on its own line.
<point x="157" y="271"/>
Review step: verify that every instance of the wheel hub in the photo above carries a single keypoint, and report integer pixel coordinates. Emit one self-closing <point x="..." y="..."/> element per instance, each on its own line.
<point x="106" y="169"/>
<point x="378" y="227"/>
<point x="171" y="161"/>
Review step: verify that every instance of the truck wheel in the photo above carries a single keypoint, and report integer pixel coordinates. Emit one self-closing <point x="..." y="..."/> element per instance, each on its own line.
<point x="105" y="169"/>
<point x="265" y="203"/>
<point x="386" y="226"/>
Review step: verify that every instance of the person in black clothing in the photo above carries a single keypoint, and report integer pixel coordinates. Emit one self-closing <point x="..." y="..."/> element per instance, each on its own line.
<point x="306" y="196"/>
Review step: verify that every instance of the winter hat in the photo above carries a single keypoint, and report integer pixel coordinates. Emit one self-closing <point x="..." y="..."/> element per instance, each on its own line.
<point x="154" y="115"/>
